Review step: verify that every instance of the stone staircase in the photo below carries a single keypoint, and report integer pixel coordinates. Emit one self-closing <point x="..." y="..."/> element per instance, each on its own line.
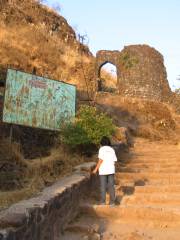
<point x="148" y="184"/>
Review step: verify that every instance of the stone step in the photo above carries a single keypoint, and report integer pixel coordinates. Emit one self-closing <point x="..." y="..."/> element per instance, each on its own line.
<point x="148" y="166"/>
<point x="163" y="162"/>
<point x="152" y="165"/>
<point x="154" y="155"/>
<point x="150" y="199"/>
<point x="148" y="169"/>
<point x="162" y="182"/>
<point x="140" y="181"/>
<point x="146" y="182"/>
<point x="147" y="150"/>
<point x="148" y="175"/>
<point x="157" y="189"/>
<point x="140" y="231"/>
<point x="129" y="188"/>
<point x="127" y="182"/>
<point x="153" y="152"/>
<point x="133" y="213"/>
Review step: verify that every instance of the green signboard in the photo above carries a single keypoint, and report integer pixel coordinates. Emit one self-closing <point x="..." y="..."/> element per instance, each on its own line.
<point x="37" y="101"/>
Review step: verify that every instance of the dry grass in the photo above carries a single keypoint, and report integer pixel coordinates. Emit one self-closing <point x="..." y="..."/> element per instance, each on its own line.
<point x="110" y="80"/>
<point x="150" y="119"/>
<point x="38" y="173"/>
<point x="26" y="48"/>
<point x="28" y="42"/>
<point x="31" y="46"/>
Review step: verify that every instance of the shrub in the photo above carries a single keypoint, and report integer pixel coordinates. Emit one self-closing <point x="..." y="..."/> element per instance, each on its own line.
<point x="88" y="128"/>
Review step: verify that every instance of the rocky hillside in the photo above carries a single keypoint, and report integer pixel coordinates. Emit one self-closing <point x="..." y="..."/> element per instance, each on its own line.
<point x="34" y="38"/>
<point x="143" y="118"/>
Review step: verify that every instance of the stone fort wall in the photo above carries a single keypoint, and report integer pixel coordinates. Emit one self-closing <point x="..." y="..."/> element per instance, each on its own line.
<point x="140" y="71"/>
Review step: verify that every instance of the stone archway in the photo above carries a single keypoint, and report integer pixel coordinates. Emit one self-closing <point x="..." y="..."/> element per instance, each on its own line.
<point x="107" y="77"/>
<point x="103" y="57"/>
<point x="140" y="71"/>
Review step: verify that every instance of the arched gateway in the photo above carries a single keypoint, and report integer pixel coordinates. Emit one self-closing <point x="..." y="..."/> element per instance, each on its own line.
<point x="140" y="71"/>
<point x="103" y="57"/>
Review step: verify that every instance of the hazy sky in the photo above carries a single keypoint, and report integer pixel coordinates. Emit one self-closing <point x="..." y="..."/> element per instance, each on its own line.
<point x="113" y="24"/>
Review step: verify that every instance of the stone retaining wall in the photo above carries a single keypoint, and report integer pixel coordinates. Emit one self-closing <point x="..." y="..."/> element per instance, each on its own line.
<point x="45" y="216"/>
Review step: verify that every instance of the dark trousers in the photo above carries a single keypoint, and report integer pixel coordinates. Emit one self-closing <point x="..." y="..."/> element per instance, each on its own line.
<point x="107" y="182"/>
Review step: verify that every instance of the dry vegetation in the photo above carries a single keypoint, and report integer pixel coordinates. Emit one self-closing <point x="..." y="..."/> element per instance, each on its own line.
<point x="144" y="118"/>
<point x="34" y="37"/>
<point x="110" y="81"/>
<point x="27" y="48"/>
<point x="21" y="178"/>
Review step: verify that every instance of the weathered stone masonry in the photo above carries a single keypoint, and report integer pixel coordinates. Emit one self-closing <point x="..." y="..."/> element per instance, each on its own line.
<point x="140" y="71"/>
<point x="44" y="217"/>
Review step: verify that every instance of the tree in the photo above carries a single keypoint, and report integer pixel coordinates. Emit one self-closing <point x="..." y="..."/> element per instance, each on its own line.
<point x="87" y="129"/>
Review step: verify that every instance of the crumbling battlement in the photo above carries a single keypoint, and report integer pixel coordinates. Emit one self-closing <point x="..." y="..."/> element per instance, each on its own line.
<point x="140" y="71"/>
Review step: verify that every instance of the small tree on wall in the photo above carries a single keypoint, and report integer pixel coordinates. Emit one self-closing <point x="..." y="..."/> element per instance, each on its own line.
<point x="128" y="61"/>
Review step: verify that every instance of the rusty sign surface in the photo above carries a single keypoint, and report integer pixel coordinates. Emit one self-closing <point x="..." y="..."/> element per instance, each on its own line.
<point x="37" y="101"/>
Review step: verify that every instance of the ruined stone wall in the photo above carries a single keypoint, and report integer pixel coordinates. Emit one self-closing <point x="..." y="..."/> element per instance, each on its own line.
<point x="45" y="217"/>
<point x="140" y="71"/>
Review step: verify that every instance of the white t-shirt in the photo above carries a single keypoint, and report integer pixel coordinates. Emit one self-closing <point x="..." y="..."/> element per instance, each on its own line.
<point x="108" y="155"/>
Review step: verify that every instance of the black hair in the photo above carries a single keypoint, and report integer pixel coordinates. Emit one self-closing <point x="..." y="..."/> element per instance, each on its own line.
<point x="105" y="141"/>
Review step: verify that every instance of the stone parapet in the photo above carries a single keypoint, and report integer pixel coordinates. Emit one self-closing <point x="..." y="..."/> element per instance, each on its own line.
<point x="45" y="216"/>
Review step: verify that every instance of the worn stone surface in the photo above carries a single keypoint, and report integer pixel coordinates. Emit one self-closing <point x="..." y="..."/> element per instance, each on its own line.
<point x="140" y="71"/>
<point x="149" y="211"/>
<point x="86" y="167"/>
<point x="45" y="216"/>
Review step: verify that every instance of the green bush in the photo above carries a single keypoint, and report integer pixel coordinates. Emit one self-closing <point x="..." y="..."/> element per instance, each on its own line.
<point x="88" y="128"/>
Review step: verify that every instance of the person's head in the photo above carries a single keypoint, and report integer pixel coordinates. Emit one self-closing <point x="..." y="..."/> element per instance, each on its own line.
<point x="105" y="141"/>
